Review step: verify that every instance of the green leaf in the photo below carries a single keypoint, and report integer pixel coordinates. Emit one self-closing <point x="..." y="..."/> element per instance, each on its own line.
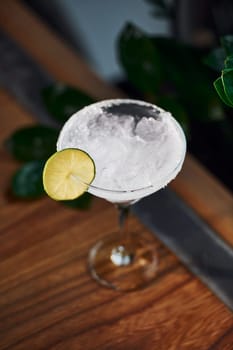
<point x="215" y="59"/>
<point x="32" y="143"/>
<point x="27" y="181"/>
<point x="62" y="101"/>
<point x="229" y="62"/>
<point x="139" y="58"/>
<point x="227" y="80"/>
<point x="172" y="105"/>
<point x="188" y="78"/>
<point x="227" y="43"/>
<point x="221" y="92"/>
<point x="82" y="203"/>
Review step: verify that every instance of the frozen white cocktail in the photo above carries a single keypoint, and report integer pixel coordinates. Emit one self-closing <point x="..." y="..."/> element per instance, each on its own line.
<point x="137" y="147"/>
<point x="134" y="149"/>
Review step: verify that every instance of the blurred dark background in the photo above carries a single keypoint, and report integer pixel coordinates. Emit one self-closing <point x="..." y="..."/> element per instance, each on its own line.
<point x="93" y="28"/>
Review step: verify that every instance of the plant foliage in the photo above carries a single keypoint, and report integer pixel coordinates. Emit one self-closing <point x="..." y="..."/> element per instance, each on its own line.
<point x="221" y="59"/>
<point x="32" y="145"/>
<point x="170" y="73"/>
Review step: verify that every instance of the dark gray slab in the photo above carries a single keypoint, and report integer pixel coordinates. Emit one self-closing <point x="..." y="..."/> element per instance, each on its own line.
<point x="191" y="239"/>
<point x="23" y="78"/>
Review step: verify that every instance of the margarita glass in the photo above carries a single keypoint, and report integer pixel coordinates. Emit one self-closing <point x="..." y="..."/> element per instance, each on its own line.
<point x="138" y="148"/>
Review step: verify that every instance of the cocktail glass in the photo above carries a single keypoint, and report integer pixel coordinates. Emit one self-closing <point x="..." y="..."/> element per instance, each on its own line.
<point x="127" y="260"/>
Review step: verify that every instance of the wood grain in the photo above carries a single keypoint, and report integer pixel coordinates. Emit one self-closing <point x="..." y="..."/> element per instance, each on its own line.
<point x="210" y="199"/>
<point x="47" y="298"/>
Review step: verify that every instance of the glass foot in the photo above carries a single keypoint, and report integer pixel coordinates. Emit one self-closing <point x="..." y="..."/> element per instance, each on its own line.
<point x="124" y="263"/>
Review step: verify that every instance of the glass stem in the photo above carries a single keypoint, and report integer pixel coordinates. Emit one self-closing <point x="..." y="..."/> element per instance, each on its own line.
<point x="121" y="255"/>
<point x="123" y="214"/>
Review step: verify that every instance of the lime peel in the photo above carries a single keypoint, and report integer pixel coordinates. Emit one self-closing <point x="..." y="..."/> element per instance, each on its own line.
<point x="68" y="173"/>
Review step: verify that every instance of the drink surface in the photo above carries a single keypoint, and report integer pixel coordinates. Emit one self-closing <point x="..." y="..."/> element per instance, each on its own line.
<point x="137" y="147"/>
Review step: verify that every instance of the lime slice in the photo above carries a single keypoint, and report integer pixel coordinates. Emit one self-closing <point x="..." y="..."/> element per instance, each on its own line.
<point x="68" y="173"/>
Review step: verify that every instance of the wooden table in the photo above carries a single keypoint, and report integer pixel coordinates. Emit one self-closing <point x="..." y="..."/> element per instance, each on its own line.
<point x="48" y="300"/>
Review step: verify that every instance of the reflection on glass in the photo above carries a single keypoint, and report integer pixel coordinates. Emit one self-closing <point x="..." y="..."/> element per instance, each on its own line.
<point x="138" y="148"/>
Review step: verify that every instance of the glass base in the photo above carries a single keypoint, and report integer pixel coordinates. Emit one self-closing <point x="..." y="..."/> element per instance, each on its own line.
<point x="124" y="262"/>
